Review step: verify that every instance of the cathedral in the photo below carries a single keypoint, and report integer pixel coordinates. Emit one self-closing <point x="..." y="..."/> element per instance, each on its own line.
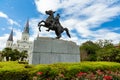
<point x="21" y="45"/>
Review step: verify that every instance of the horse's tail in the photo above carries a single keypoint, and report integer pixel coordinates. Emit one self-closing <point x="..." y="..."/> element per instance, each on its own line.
<point x="67" y="31"/>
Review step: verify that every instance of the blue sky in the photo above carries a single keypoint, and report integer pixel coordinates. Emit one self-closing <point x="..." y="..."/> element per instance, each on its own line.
<point x="86" y="19"/>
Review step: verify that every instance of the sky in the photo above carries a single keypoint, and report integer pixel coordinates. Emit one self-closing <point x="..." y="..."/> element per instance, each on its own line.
<point x="86" y="19"/>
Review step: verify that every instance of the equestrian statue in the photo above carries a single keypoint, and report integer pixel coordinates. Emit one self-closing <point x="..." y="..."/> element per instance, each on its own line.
<point x="53" y="23"/>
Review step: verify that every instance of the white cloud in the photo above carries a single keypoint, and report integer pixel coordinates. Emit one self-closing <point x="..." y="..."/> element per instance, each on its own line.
<point x="43" y="5"/>
<point x="3" y="15"/>
<point x="106" y="34"/>
<point x="33" y="25"/>
<point x="12" y="22"/>
<point x="3" y="40"/>
<point x="17" y="34"/>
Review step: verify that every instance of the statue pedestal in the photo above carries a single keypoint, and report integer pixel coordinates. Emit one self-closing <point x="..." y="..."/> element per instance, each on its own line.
<point x="49" y="50"/>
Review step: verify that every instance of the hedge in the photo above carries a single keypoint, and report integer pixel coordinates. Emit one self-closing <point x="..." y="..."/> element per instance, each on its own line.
<point x="16" y="71"/>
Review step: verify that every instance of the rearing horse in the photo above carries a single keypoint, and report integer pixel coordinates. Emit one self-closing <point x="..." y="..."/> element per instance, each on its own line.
<point x="53" y="24"/>
<point x="48" y="21"/>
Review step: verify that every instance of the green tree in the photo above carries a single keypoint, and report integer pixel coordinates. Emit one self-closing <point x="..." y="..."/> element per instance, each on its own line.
<point x="15" y="55"/>
<point x="102" y="50"/>
<point x="115" y="54"/>
<point x="90" y="49"/>
<point x="111" y="54"/>
<point x="6" y="53"/>
<point x="23" y="55"/>
<point x="103" y="55"/>
<point x="107" y="52"/>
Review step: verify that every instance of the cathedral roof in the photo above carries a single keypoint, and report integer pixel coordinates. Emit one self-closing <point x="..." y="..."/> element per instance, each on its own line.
<point x="26" y="28"/>
<point x="11" y="36"/>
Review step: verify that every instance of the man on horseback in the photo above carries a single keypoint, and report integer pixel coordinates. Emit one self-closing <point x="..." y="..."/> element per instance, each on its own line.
<point x="53" y="24"/>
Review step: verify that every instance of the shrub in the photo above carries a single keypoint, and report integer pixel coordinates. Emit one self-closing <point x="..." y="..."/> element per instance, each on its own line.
<point x="13" y="71"/>
<point x="68" y="71"/>
<point x="59" y="71"/>
<point x="14" y="75"/>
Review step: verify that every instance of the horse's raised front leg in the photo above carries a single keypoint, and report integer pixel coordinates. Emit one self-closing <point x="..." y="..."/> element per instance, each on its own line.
<point x="39" y="24"/>
<point x="39" y="29"/>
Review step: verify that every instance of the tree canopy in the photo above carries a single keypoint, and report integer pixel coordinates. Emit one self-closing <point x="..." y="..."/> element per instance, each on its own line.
<point x="13" y="54"/>
<point x="101" y="50"/>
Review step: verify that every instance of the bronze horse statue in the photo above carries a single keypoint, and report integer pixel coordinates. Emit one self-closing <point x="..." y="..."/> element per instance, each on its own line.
<point x="53" y="23"/>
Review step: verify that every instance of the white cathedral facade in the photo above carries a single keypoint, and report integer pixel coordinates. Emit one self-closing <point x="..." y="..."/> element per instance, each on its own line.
<point x="21" y="45"/>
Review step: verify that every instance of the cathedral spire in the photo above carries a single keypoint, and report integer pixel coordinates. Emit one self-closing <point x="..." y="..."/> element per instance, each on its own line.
<point x="26" y="28"/>
<point x="11" y="36"/>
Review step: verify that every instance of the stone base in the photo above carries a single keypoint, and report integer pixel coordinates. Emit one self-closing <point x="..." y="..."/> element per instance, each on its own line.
<point x="49" y="50"/>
